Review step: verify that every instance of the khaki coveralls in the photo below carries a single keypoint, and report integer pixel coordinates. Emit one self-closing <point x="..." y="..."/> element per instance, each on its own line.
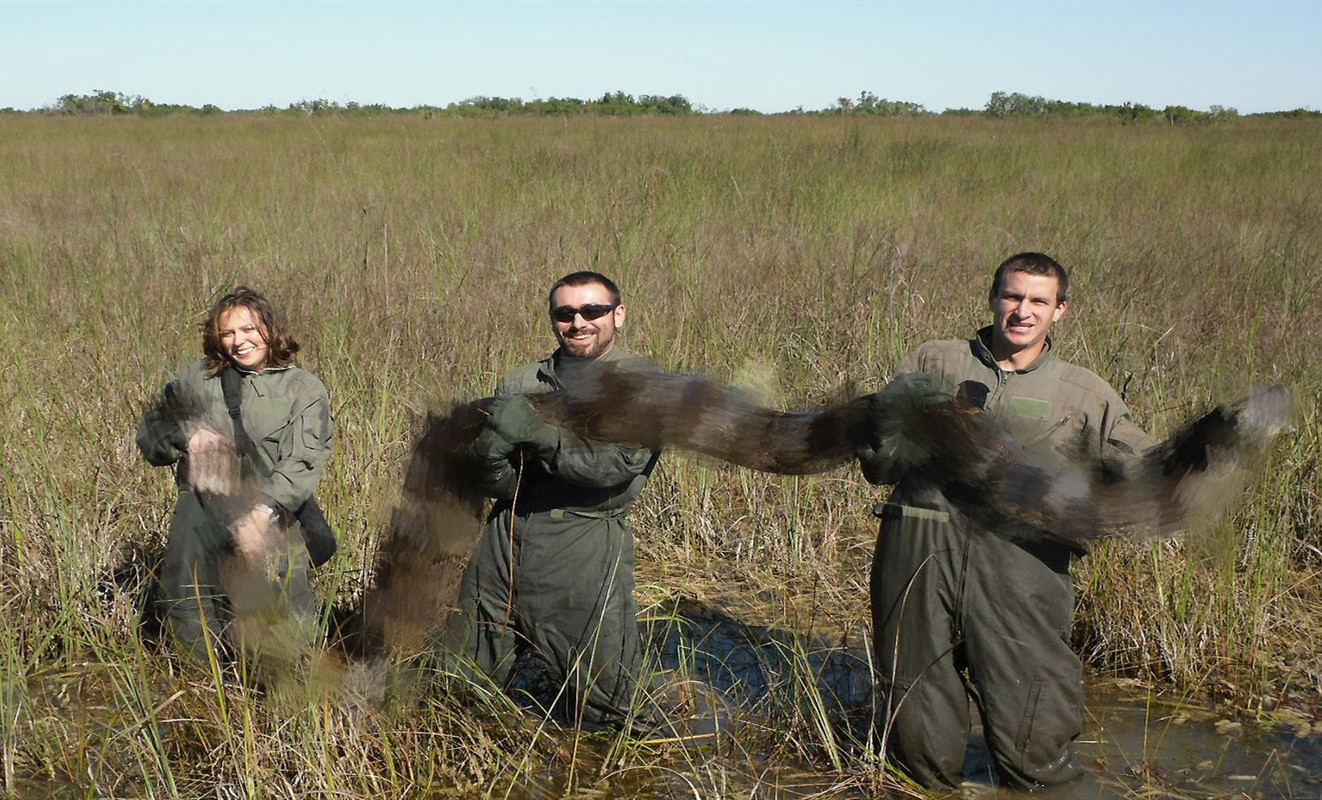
<point x="286" y="412"/>
<point x="553" y="569"/>
<point x="958" y="611"/>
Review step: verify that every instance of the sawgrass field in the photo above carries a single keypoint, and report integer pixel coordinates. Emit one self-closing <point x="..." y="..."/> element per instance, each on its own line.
<point x="800" y="257"/>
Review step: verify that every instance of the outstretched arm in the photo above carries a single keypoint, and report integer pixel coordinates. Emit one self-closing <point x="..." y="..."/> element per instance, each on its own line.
<point x="567" y="455"/>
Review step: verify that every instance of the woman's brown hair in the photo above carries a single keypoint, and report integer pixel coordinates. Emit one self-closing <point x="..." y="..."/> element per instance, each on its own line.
<point x="281" y="347"/>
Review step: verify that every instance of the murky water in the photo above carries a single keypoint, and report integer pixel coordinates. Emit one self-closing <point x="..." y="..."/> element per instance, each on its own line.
<point x="1135" y="742"/>
<point x="788" y="704"/>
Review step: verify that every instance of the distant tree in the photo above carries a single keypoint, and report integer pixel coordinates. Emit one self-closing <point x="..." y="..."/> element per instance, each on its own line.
<point x="494" y="106"/>
<point x="369" y="110"/>
<point x="1131" y="113"/>
<point x="559" y="106"/>
<point x="1015" y="104"/>
<point x="318" y="107"/>
<point x="616" y="104"/>
<point x="100" y="101"/>
<point x="669" y="104"/>
<point x="1179" y="115"/>
<point x="871" y="105"/>
<point x="1294" y="113"/>
<point x="663" y="104"/>
<point x="620" y="103"/>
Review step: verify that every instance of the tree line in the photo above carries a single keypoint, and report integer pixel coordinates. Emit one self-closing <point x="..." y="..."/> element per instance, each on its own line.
<point x="1001" y="105"/>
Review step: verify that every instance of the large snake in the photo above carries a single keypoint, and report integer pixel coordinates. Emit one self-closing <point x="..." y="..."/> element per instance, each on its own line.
<point x="1188" y="477"/>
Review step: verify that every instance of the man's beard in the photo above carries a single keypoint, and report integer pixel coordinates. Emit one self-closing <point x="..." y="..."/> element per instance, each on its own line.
<point x="595" y="348"/>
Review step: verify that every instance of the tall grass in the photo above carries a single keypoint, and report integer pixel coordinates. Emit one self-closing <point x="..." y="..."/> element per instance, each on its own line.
<point x="802" y="257"/>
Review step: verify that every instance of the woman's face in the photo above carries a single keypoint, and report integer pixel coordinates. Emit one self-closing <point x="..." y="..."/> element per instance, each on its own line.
<point x="243" y="338"/>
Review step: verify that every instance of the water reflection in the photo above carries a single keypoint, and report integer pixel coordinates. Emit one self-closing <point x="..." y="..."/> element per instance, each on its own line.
<point x="1135" y="743"/>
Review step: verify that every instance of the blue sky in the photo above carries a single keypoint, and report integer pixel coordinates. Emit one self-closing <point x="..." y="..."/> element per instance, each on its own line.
<point x="760" y="54"/>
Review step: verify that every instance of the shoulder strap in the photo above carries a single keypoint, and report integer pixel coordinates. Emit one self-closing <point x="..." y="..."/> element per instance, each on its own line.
<point x="231" y="385"/>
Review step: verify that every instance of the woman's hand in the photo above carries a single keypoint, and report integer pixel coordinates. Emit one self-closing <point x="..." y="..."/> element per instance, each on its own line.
<point x="257" y="536"/>
<point x="211" y="464"/>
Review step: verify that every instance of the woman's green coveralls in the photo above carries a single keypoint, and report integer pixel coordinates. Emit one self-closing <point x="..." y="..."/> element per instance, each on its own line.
<point x="286" y="413"/>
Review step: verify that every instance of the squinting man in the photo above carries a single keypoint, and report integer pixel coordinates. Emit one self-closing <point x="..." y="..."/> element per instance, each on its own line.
<point x="958" y="611"/>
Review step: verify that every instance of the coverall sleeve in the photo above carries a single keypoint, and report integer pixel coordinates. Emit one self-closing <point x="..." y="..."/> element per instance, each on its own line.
<point x="497" y="459"/>
<point x="879" y="458"/>
<point x="1125" y="442"/>
<point x="590" y="462"/>
<point x="304" y="450"/>
<point x="167" y="425"/>
<point x="563" y="455"/>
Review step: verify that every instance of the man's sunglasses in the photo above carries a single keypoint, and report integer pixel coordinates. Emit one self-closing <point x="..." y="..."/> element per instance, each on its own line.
<point x="589" y="312"/>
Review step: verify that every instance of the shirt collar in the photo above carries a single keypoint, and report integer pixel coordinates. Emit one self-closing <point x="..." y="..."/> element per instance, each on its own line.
<point x="982" y="349"/>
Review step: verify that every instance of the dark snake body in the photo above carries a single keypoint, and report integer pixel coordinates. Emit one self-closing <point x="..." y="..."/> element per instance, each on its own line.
<point x="1190" y="476"/>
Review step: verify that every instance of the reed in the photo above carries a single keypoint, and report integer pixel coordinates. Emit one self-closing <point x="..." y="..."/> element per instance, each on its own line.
<point x="801" y="257"/>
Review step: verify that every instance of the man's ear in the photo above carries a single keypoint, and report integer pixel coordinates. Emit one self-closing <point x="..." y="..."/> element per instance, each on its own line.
<point x="1060" y="310"/>
<point x="620" y="313"/>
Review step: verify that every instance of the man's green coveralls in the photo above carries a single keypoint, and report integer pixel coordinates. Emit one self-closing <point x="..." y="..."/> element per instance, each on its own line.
<point x="553" y="569"/>
<point x="959" y="611"/>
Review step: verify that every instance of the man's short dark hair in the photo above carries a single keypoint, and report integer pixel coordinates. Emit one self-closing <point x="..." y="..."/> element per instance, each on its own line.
<point x="1033" y="264"/>
<point x="583" y="278"/>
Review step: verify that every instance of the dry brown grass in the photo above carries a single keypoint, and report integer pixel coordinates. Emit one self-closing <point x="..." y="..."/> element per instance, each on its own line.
<point x="806" y="255"/>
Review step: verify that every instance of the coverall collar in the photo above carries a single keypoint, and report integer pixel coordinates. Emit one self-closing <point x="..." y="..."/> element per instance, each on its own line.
<point x="981" y="345"/>
<point x="561" y="366"/>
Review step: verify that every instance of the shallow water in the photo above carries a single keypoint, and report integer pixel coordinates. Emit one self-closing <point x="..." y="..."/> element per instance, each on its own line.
<point x="1135" y="742"/>
<point x="773" y="683"/>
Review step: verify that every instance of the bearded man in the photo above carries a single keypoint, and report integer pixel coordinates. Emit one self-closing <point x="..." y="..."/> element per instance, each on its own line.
<point x="553" y="568"/>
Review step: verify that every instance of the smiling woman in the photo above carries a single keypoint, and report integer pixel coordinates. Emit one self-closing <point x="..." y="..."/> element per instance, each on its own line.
<point x="244" y="338"/>
<point x="249" y="434"/>
<point x="243" y="329"/>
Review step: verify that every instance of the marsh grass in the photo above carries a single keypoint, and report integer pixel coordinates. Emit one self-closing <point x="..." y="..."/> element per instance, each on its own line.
<point x="799" y="257"/>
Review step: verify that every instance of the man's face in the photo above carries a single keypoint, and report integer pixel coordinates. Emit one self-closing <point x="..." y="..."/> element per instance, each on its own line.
<point x="1024" y="309"/>
<point x="243" y="338"/>
<point x="585" y="320"/>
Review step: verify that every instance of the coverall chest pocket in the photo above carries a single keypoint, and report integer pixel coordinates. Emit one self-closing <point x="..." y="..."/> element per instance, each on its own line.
<point x="268" y="422"/>
<point x="1038" y="425"/>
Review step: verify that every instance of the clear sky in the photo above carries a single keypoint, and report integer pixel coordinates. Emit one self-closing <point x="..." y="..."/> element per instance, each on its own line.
<point x="1259" y="55"/>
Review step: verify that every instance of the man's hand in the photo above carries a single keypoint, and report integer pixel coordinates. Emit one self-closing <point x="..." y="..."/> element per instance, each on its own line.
<point x="906" y="394"/>
<point x="885" y="454"/>
<point x="490" y="446"/>
<point x="514" y="419"/>
<point x="211" y="464"/>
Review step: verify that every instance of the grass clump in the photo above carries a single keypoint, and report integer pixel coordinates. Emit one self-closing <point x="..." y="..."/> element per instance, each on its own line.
<point x="799" y="256"/>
